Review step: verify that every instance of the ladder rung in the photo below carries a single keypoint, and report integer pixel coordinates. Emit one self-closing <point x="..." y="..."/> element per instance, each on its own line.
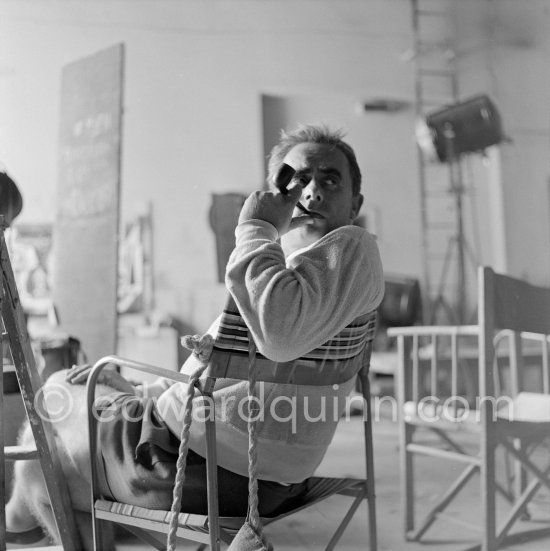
<point x="434" y="13"/>
<point x="440" y="226"/>
<point x="434" y="193"/>
<point x="436" y="257"/>
<point x="14" y="453"/>
<point x="435" y="45"/>
<point x="436" y="73"/>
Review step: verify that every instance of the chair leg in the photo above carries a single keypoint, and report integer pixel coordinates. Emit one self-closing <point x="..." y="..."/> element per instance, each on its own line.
<point x="343" y="525"/>
<point x="102" y="535"/>
<point x="212" y="481"/>
<point x="406" y="432"/>
<point x="518" y="508"/>
<point x="520" y="476"/>
<point x="146" y="537"/>
<point x="407" y="480"/>
<point x="540" y="479"/>
<point x="440" y="506"/>
<point x="371" y="505"/>
<point x="369" y="454"/>
<point x="488" y="489"/>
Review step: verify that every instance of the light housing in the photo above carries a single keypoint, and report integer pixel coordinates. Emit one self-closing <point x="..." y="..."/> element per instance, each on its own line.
<point x="469" y="126"/>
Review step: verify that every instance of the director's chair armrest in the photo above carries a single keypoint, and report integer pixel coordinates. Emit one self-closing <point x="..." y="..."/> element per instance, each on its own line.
<point x="429" y="330"/>
<point x="422" y="344"/>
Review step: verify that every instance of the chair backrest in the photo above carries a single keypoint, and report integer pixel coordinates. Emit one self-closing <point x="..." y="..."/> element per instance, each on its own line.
<point x="516" y="304"/>
<point x="510" y="339"/>
<point x="515" y="314"/>
<point x="334" y="362"/>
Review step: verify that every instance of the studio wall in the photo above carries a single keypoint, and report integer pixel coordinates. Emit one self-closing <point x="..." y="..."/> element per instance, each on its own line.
<point x="195" y="76"/>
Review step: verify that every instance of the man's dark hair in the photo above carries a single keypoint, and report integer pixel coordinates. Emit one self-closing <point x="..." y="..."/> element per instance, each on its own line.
<point x="313" y="133"/>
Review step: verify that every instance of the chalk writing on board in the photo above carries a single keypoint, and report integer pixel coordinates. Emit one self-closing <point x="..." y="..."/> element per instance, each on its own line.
<point x="86" y="162"/>
<point x="93" y="125"/>
<point x="80" y="203"/>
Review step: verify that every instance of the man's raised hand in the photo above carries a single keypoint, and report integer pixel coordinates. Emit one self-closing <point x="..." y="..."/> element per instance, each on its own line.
<point x="272" y="207"/>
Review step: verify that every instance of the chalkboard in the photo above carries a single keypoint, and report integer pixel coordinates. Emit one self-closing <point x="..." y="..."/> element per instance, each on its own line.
<point x="85" y="238"/>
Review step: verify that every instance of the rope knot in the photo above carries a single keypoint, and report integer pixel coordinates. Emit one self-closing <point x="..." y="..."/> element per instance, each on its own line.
<point x="201" y="346"/>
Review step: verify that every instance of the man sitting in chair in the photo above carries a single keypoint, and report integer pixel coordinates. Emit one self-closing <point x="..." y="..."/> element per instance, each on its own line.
<point x="300" y="273"/>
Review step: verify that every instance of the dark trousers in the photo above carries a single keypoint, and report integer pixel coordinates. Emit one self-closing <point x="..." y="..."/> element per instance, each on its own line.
<point x="137" y="464"/>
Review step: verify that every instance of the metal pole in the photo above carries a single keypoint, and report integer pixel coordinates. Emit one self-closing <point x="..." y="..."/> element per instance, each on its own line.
<point x="461" y="284"/>
<point x="457" y="189"/>
<point x="419" y="112"/>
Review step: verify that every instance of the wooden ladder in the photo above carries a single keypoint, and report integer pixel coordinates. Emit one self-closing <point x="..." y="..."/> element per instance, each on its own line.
<point x="15" y="330"/>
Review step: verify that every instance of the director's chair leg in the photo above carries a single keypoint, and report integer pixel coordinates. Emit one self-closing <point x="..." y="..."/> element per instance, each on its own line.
<point x="449" y="495"/>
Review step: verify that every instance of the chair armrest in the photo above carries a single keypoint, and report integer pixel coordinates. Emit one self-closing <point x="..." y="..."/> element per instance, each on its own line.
<point x="90" y="399"/>
<point x="139" y="366"/>
<point x="429" y="330"/>
<point x="428" y="355"/>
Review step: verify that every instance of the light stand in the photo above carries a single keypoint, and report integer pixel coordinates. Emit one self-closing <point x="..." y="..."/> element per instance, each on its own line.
<point x="457" y="242"/>
<point x="466" y="127"/>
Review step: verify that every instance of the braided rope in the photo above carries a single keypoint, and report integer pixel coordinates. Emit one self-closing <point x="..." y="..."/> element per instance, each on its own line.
<point x="253" y="515"/>
<point x="202" y="349"/>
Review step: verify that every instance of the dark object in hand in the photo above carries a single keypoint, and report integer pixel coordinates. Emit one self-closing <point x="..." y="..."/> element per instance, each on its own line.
<point x="284" y="177"/>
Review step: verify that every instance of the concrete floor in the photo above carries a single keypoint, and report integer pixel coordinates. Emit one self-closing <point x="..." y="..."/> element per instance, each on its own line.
<point x="311" y="530"/>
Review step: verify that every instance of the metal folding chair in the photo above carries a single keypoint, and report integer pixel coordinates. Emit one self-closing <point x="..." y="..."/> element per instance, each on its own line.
<point x="212" y="529"/>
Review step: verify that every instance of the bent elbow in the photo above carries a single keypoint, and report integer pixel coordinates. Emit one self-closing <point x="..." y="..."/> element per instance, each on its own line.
<point x="280" y="350"/>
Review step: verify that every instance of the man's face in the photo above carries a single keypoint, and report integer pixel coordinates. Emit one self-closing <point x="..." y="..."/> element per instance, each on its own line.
<point x="323" y="172"/>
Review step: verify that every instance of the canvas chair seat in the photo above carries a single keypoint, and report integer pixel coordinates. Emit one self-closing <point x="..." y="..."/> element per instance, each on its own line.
<point x="527" y="418"/>
<point x="318" y="488"/>
<point x="430" y="416"/>
<point x="528" y="411"/>
<point x="528" y="407"/>
<point x="121" y="510"/>
<point x="525" y="428"/>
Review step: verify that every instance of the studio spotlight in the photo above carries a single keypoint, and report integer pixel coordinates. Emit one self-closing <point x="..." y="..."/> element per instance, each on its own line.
<point x="470" y="126"/>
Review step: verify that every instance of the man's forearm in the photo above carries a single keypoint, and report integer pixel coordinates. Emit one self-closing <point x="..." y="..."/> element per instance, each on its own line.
<point x="291" y="310"/>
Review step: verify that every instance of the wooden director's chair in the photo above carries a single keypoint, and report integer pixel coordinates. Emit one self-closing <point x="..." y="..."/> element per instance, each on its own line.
<point x="509" y="342"/>
<point x="233" y="340"/>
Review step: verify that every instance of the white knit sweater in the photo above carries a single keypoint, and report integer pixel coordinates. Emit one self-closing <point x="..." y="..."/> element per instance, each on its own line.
<point x="291" y="305"/>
